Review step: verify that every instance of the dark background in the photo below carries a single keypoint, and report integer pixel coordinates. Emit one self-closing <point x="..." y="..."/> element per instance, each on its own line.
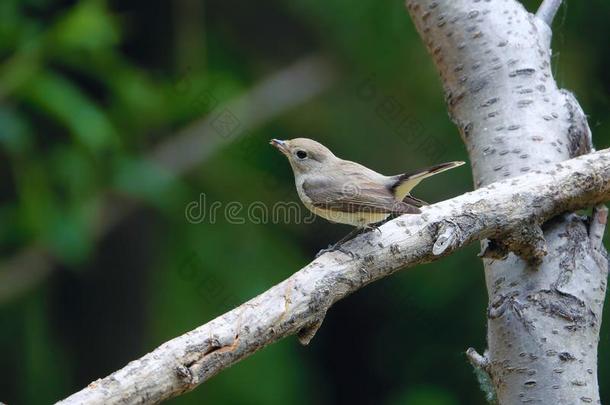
<point x="89" y="88"/>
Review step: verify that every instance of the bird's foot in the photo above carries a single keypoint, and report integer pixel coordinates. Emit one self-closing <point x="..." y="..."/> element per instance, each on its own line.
<point x="335" y="248"/>
<point x="322" y="251"/>
<point x="374" y="227"/>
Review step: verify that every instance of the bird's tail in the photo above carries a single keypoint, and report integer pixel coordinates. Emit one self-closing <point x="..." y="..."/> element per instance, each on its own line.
<point x="404" y="183"/>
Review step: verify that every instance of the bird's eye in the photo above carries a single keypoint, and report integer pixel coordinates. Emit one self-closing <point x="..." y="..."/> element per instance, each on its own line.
<point x="301" y="154"/>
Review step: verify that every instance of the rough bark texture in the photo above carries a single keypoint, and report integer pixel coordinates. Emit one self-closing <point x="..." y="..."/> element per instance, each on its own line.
<point x="298" y="305"/>
<point x="545" y="311"/>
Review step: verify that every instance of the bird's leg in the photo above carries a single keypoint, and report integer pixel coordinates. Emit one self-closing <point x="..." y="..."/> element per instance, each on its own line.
<point x="338" y="245"/>
<point x="375" y="227"/>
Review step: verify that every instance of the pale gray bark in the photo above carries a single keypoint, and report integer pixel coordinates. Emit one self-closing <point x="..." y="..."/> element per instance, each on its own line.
<point x="547" y="10"/>
<point x="298" y="305"/>
<point x="545" y="299"/>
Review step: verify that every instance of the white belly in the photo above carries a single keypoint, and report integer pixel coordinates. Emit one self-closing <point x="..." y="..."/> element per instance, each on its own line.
<point x="356" y="219"/>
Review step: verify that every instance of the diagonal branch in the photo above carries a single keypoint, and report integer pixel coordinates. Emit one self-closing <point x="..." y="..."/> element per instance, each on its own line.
<point x="547" y="10"/>
<point x="298" y="304"/>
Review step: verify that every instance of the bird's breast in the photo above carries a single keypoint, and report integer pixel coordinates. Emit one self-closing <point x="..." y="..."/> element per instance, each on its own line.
<point x="304" y="197"/>
<point x="357" y="219"/>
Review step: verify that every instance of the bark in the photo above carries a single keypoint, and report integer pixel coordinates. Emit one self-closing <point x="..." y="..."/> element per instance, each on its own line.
<point x="298" y="305"/>
<point x="545" y="299"/>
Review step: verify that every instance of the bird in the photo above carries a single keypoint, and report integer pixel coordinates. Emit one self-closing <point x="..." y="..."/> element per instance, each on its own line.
<point x="346" y="192"/>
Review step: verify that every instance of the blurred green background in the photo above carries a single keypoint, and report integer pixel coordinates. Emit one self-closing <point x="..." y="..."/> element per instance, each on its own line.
<point x="114" y="115"/>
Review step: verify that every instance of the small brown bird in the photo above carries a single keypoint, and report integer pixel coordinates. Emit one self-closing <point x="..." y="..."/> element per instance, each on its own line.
<point x="347" y="192"/>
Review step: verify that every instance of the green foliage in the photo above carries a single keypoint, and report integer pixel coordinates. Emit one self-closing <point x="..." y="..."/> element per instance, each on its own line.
<point x="425" y="395"/>
<point x="89" y="89"/>
<point x="64" y="103"/>
<point x="87" y="27"/>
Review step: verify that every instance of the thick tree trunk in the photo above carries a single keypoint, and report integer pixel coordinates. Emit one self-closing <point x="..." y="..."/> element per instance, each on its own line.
<point x="545" y="299"/>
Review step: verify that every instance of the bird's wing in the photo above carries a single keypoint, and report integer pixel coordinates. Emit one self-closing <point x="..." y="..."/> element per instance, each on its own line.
<point x="354" y="193"/>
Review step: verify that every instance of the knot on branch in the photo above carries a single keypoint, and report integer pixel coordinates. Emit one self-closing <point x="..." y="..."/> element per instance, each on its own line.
<point x="306" y="334"/>
<point x="509" y="302"/>
<point x="526" y="241"/>
<point x="580" y="141"/>
<point x="201" y="359"/>
<point x="321" y="301"/>
<point x="448" y="236"/>
<point x="477" y="360"/>
<point x="184" y="374"/>
<point x="482" y="369"/>
<point x="562" y="305"/>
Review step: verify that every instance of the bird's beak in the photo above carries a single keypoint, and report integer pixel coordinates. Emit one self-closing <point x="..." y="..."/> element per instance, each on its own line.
<point x="280" y="145"/>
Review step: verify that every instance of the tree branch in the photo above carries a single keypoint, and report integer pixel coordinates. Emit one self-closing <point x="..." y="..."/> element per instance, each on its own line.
<point x="547" y="10"/>
<point x="300" y="302"/>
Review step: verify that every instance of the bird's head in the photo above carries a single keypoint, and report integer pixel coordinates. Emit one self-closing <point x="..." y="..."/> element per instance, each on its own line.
<point x="305" y="155"/>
